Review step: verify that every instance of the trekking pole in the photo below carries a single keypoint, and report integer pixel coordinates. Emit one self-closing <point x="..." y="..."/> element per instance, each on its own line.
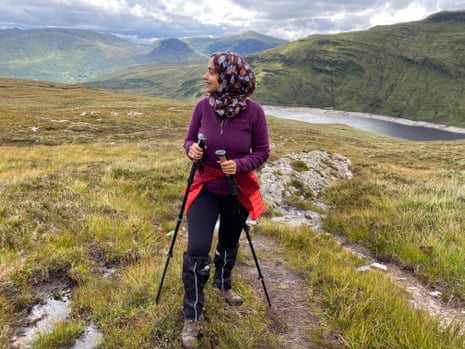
<point x="195" y="165"/>
<point x="222" y="155"/>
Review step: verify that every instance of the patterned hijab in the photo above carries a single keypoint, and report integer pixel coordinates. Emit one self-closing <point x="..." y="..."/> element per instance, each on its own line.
<point x="237" y="83"/>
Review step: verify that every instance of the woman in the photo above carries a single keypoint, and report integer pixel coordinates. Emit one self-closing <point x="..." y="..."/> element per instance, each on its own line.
<point x="230" y="121"/>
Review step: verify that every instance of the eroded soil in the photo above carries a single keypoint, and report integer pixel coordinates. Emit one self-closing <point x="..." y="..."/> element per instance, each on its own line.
<point x="290" y="314"/>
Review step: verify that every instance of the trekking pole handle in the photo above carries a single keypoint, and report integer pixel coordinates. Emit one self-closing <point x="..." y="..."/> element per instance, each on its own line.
<point x="202" y="140"/>
<point x="223" y="156"/>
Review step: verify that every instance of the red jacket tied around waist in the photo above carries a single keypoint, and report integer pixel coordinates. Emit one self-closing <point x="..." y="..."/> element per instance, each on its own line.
<point x="248" y="189"/>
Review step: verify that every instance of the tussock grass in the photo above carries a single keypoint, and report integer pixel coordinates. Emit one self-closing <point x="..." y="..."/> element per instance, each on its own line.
<point x="74" y="202"/>
<point x="64" y="335"/>
<point x="415" y="219"/>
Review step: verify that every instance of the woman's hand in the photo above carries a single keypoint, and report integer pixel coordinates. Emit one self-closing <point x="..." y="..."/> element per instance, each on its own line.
<point x="195" y="152"/>
<point x="228" y="167"/>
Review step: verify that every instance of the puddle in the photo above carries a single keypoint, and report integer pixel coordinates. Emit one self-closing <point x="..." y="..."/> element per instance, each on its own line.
<point x="55" y="308"/>
<point x="91" y="338"/>
<point x="109" y="271"/>
<point x="43" y="316"/>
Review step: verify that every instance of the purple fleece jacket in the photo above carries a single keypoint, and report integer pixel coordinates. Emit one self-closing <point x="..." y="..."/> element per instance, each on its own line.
<point x="244" y="137"/>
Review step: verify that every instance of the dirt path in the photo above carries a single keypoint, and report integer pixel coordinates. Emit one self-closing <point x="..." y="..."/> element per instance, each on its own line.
<point x="290" y="313"/>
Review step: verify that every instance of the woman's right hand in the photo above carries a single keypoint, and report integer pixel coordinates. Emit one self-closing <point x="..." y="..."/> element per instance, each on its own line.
<point x="195" y="152"/>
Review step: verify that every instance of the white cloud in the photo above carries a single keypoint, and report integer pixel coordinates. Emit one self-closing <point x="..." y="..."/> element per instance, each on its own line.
<point x="287" y="19"/>
<point x="114" y="6"/>
<point x="390" y="15"/>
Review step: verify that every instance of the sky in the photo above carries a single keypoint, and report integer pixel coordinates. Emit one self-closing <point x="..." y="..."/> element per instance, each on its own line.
<point x="148" y="20"/>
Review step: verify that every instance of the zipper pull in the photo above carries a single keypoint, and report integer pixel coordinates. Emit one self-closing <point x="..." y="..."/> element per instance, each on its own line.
<point x="221" y="127"/>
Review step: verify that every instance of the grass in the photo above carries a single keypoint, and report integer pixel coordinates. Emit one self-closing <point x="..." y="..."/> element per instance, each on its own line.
<point x="367" y="308"/>
<point x="77" y="199"/>
<point x="415" y="219"/>
<point x="64" y="335"/>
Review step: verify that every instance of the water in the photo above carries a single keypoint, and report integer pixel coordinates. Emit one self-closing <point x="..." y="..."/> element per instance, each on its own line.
<point x="91" y="338"/>
<point x="45" y="315"/>
<point x="390" y="126"/>
<point x="55" y="308"/>
<point x="42" y="318"/>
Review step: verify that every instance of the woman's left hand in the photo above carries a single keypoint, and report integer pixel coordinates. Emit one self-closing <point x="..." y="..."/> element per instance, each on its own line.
<point x="228" y="167"/>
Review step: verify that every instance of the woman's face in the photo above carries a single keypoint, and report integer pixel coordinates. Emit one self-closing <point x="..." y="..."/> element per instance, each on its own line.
<point x="211" y="78"/>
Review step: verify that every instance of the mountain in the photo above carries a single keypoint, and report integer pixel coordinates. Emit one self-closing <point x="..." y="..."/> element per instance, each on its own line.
<point x="411" y="70"/>
<point x="68" y="55"/>
<point x="243" y="44"/>
<point x="62" y="54"/>
<point x="172" y="50"/>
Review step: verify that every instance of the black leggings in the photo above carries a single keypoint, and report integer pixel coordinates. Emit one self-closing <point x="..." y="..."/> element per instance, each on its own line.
<point x="201" y="219"/>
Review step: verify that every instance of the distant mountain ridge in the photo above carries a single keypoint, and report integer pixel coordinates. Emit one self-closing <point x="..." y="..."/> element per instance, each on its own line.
<point x="62" y="55"/>
<point x="173" y="50"/>
<point x="72" y="55"/>
<point x="246" y="43"/>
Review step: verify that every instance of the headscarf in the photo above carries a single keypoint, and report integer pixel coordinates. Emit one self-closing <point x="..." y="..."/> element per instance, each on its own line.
<point x="237" y="83"/>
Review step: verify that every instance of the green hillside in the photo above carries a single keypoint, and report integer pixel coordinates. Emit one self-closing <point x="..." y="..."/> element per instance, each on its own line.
<point x="172" y="80"/>
<point x="413" y="70"/>
<point x="63" y="55"/>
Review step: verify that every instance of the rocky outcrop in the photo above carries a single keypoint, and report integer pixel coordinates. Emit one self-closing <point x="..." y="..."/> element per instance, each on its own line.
<point x="303" y="175"/>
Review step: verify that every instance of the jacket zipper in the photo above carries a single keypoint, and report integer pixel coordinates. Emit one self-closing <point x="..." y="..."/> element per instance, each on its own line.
<point x="222" y="122"/>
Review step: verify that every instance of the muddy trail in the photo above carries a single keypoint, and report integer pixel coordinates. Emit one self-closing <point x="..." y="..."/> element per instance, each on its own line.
<point x="290" y="314"/>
